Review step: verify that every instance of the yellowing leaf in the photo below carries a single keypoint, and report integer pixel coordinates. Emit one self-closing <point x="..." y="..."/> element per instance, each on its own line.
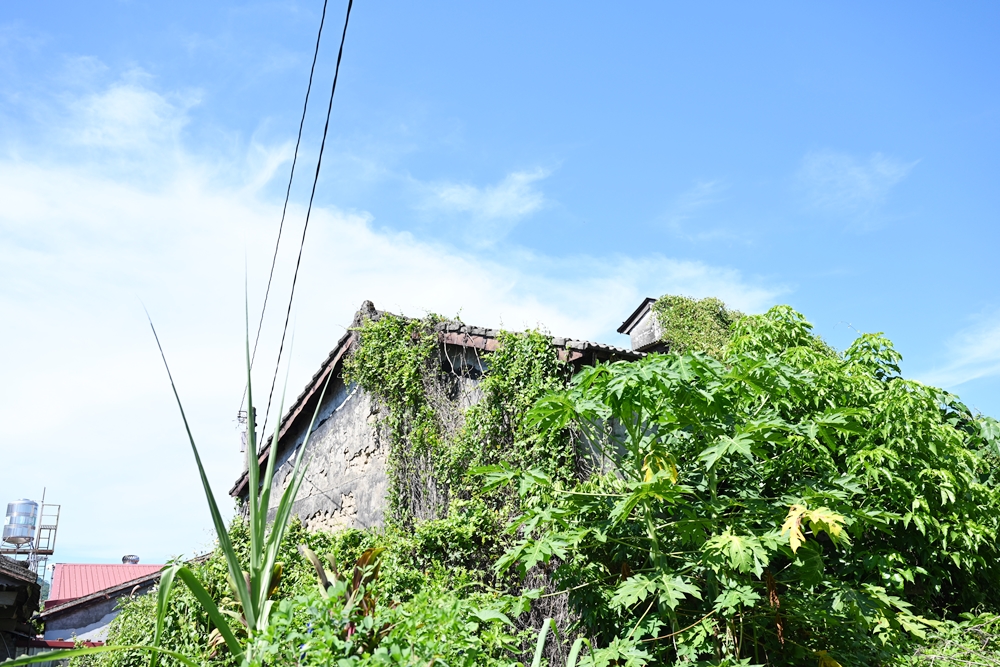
<point x="826" y="520"/>
<point x="793" y="526"/>
<point x="825" y="660"/>
<point x="652" y="464"/>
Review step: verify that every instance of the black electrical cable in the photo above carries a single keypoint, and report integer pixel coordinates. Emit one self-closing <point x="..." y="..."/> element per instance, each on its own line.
<point x="305" y="228"/>
<point x="288" y="192"/>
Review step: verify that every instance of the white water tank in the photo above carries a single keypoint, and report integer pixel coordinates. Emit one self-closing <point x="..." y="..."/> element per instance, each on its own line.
<point x="20" y="522"/>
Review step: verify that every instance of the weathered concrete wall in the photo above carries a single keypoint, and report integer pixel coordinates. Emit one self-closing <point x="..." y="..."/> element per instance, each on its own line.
<point x="65" y="625"/>
<point x="647" y="333"/>
<point x="345" y="483"/>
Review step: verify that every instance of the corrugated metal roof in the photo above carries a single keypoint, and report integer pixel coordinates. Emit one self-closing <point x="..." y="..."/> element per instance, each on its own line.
<point x="75" y="580"/>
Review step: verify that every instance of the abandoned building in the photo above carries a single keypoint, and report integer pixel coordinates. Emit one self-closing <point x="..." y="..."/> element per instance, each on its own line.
<point x="346" y="484"/>
<point x="19" y="599"/>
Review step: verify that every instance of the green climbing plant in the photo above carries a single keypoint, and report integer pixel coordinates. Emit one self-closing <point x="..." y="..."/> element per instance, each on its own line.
<point x="434" y="443"/>
<point x="689" y="325"/>
<point x="397" y="362"/>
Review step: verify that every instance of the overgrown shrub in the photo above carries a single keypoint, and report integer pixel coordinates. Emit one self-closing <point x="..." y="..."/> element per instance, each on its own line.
<point x="781" y="505"/>
<point x="770" y="501"/>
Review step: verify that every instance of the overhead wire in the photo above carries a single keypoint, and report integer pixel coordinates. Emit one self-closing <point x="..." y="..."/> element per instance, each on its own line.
<point x="305" y="227"/>
<point x="288" y="192"/>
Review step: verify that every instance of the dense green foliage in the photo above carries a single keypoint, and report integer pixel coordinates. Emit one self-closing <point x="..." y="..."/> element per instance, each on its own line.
<point x="523" y="368"/>
<point x="782" y="505"/>
<point x="751" y="498"/>
<point x="439" y="564"/>
<point x="690" y="325"/>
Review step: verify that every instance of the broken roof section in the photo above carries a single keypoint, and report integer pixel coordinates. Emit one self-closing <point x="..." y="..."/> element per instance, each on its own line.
<point x="577" y="352"/>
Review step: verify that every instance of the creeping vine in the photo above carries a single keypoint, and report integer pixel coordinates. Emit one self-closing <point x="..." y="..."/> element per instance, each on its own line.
<point x="422" y="387"/>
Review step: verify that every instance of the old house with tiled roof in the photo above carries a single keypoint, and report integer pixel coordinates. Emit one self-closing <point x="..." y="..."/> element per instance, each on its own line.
<point x="19" y="600"/>
<point x="346" y="484"/>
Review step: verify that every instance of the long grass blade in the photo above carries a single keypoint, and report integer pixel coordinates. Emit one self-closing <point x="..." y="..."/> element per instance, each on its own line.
<point x="162" y="598"/>
<point x="284" y="510"/>
<point x="260" y="571"/>
<point x="188" y="577"/>
<point x="65" y="654"/>
<point x="265" y="487"/>
<point x="253" y="477"/>
<point x="543" y="634"/>
<point x="221" y="532"/>
<point x="321" y="578"/>
<point x="574" y="652"/>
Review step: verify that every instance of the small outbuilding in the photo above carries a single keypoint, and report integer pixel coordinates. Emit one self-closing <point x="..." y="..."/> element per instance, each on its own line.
<point x="84" y="598"/>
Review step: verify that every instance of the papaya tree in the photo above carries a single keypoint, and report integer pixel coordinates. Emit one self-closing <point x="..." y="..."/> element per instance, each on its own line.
<point x="777" y="503"/>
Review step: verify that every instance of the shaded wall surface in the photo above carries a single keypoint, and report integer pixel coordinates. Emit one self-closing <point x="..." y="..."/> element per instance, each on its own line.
<point x="88" y="619"/>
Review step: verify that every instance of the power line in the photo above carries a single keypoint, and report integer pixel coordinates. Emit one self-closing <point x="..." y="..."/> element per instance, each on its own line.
<point x="288" y="192"/>
<point x="305" y="227"/>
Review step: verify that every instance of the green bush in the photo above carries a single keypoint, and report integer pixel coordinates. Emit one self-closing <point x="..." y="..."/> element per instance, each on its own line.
<point x="781" y="505"/>
<point x="764" y="500"/>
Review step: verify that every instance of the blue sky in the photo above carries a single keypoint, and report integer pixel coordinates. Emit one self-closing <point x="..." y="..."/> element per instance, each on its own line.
<point x="521" y="164"/>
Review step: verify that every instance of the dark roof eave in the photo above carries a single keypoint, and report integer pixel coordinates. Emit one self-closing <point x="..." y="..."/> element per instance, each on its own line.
<point x="630" y="321"/>
<point x="11" y="568"/>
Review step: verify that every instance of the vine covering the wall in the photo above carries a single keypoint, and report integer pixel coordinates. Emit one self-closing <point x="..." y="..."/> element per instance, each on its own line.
<point x="397" y="362"/>
<point x="702" y="325"/>
<point x="432" y="442"/>
<point x="524" y="368"/>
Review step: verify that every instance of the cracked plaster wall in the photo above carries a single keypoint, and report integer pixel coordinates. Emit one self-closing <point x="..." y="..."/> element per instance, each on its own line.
<point x="345" y="485"/>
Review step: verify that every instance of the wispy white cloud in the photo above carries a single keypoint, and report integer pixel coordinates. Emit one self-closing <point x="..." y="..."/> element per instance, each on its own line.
<point x="682" y="218"/>
<point x="82" y="242"/>
<point x="513" y="197"/>
<point x="973" y="353"/>
<point x="494" y="209"/>
<point x="842" y="184"/>
<point x="128" y="116"/>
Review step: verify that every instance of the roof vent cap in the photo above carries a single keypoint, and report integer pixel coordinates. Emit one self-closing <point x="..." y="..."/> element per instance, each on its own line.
<point x="130" y="559"/>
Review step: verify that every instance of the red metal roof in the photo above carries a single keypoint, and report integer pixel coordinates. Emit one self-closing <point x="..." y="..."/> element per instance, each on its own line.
<point x="72" y="580"/>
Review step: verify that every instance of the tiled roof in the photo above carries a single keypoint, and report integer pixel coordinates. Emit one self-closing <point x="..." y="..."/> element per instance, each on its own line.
<point x="16" y="570"/>
<point x="73" y="580"/>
